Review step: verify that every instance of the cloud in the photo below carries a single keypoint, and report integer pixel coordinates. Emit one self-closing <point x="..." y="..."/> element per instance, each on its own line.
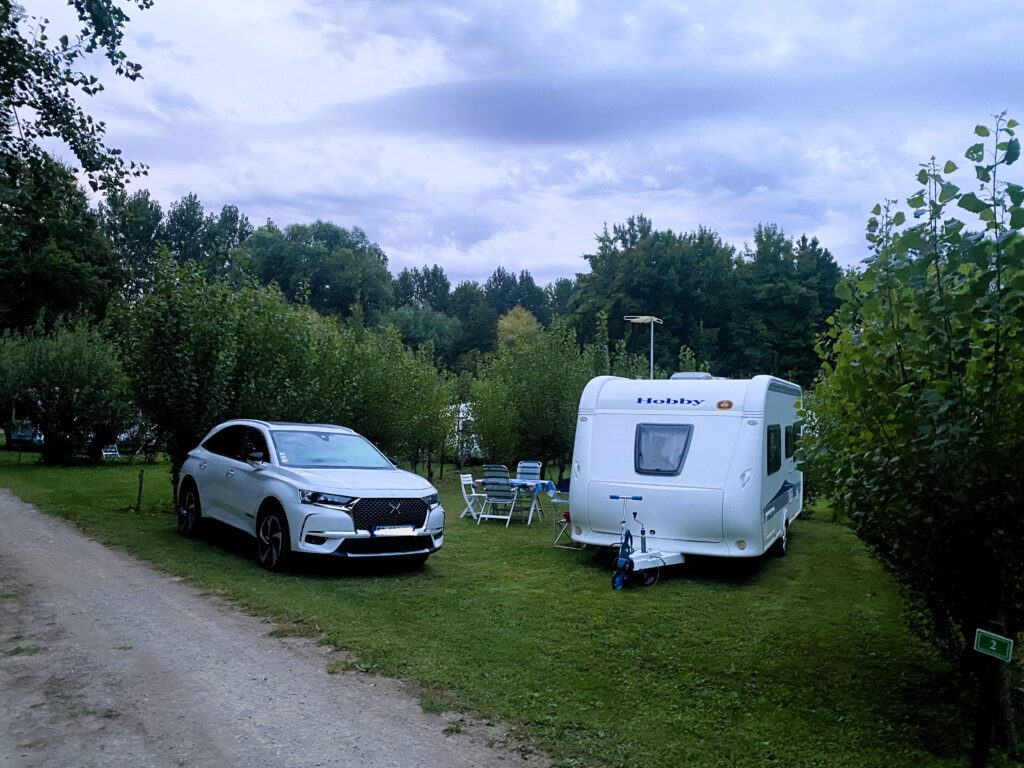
<point x="497" y="133"/>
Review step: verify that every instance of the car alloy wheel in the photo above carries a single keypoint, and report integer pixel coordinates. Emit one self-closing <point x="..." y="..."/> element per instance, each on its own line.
<point x="189" y="513"/>
<point x="272" y="541"/>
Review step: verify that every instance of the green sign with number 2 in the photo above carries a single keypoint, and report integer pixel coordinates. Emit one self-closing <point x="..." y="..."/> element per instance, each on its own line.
<point x="993" y="645"/>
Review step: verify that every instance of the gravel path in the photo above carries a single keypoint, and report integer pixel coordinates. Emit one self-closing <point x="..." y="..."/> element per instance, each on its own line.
<point x="107" y="662"/>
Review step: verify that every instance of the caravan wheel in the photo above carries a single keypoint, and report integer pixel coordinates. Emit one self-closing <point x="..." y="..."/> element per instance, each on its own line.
<point x="648" y="578"/>
<point x="782" y="543"/>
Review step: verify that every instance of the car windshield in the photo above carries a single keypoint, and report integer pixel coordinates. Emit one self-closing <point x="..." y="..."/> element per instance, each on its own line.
<point x="326" y="450"/>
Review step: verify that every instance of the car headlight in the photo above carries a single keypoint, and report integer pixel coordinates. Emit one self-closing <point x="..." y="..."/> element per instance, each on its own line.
<point x="432" y="500"/>
<point x="325" y="499"/>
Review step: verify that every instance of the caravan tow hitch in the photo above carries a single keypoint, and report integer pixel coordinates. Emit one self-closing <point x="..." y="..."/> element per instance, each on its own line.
<point x="641" y="567"/>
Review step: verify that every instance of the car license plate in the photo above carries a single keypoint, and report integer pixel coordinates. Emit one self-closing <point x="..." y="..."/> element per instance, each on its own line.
<point x="392" y="530"/>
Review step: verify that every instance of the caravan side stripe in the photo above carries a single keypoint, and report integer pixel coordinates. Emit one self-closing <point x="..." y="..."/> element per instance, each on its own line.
<point x="780" y="499"/>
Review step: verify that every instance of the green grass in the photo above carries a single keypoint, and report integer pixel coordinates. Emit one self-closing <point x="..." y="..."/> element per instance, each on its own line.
<point x="799" y="661"/>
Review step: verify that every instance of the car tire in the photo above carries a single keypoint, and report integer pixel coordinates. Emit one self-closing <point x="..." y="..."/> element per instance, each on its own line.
<point x="273" y="542"/>
<point x="190" y="511"/>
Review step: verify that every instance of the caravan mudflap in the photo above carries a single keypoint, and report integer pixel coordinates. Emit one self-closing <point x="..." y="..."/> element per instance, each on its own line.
<point x="643" y="561"/>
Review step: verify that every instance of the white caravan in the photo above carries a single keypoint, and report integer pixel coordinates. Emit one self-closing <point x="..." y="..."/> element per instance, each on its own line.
<point x="704" y="466"/>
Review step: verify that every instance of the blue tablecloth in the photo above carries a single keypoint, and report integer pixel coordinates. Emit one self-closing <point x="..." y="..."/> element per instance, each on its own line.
<point x="535" y="486"/>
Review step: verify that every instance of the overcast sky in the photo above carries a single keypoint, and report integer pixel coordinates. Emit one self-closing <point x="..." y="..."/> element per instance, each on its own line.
<point x="478" y="134"/>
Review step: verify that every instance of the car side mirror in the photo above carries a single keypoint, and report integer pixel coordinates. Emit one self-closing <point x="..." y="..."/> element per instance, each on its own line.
<point x="255" y="459"/>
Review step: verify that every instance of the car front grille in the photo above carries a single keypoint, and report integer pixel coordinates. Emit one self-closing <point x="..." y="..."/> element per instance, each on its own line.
<point x="369" y="513"/>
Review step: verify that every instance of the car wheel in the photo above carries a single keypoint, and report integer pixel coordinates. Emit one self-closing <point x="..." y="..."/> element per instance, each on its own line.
<point x="190" y="512"/>
<point x="273" y="543"/>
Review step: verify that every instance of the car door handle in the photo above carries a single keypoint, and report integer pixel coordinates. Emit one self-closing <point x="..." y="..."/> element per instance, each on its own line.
<point x="203" y="465"/>
<point x="230" y="473"/>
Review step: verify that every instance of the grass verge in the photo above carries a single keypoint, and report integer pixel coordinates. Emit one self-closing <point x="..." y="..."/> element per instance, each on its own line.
<point x="799" y="661"/>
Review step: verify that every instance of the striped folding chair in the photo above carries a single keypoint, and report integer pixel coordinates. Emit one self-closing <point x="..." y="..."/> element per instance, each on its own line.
<point x="530" y="471"/>
<point x="498" y="495"/>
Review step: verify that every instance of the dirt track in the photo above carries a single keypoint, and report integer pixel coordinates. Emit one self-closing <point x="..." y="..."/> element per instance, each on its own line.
<point x="107" y="662"/>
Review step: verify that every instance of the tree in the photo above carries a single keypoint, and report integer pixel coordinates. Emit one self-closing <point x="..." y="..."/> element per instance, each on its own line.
<point x="515" y="327"/>
<point x="186" y="230"/>
<point x="134" y="226"/>
<point x="520" y="409"/>
<point x="919" y="414"/>
<point x="532" y="297"/>
<point x="224" y="233"/>
<point x="559" y="296"/>
<point x="479" y="321"/>
<point x="181" y="351"/>
<point x="53" y="257"/>
<point x="70" y="384"/>
<point x="211" y="241"/>
<point x="40" y="84"/>
<point x="501" y="290"/>
<point x="420" y="326"/>
<point x="200" y="351"/>
<point x="335" y="270"/>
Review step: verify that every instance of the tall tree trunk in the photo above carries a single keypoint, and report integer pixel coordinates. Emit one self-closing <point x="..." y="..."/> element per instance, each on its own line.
<point x="983" y="723"/>
<point x="995" y="716"/>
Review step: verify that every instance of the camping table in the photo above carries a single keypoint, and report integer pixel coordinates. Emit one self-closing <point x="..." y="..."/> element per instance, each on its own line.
<point x="534" y="487"/>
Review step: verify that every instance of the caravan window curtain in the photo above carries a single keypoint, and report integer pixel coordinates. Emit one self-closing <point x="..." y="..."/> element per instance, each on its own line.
<point x="661" y="448"/>
<point x="774" y="449"/>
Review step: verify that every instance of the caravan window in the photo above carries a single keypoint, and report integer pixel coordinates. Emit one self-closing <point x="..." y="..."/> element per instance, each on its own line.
<point x="661" y="448"/>
<point x="790" y="440"/>
<point x="774" y="448"/>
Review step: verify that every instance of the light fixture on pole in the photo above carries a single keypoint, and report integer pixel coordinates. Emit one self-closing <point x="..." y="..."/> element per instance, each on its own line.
<point x="646" y="320"/>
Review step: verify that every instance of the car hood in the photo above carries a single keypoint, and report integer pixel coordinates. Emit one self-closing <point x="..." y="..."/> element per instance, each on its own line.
<point x="352" y="482"/>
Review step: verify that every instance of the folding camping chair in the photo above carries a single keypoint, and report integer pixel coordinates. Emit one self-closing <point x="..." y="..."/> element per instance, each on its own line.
<point x="529" y="471"/>
<point x="497" y="493"/>
<point x="562" y="523"/>
<point x="474" y="500"/>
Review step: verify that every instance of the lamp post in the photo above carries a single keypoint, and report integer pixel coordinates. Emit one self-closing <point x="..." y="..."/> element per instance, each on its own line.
<point x="646" y="320"/>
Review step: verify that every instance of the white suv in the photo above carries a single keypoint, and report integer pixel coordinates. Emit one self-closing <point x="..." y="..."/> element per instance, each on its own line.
<point x="312" y="488"/>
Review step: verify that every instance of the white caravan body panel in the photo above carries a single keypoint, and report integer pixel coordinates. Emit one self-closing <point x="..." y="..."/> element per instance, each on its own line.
<point x="712" y="458"/>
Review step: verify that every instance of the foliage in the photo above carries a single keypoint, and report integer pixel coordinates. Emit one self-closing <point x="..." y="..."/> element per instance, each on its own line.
<point x="53" y="258"/>
<point x="421" y="325"/>
<point x="479" y="320"/>
<point x="134" y="226"/>
<point x="919" y="418"/>
<point x="203" y="351"/>
<point x="40" y="82"/>
<point x="191" y="234"/>
<point x="740" y="315"/>
<point x="337" y="271"/>
<point x="525" y="401"/>
<point x="181" y="352"/>
<point x="427" y="287"/>
<point x="68" y="382"/>
<point x="516" y="327"/>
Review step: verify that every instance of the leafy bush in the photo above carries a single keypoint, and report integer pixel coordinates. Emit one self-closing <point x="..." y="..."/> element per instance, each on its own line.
<point x="201" y="352"/>
<point x="69" y="383"/>
<point x="919" y="416"/>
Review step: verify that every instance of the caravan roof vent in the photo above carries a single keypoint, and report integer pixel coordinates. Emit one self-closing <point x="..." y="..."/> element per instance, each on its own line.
<point x="691" y="375"/>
